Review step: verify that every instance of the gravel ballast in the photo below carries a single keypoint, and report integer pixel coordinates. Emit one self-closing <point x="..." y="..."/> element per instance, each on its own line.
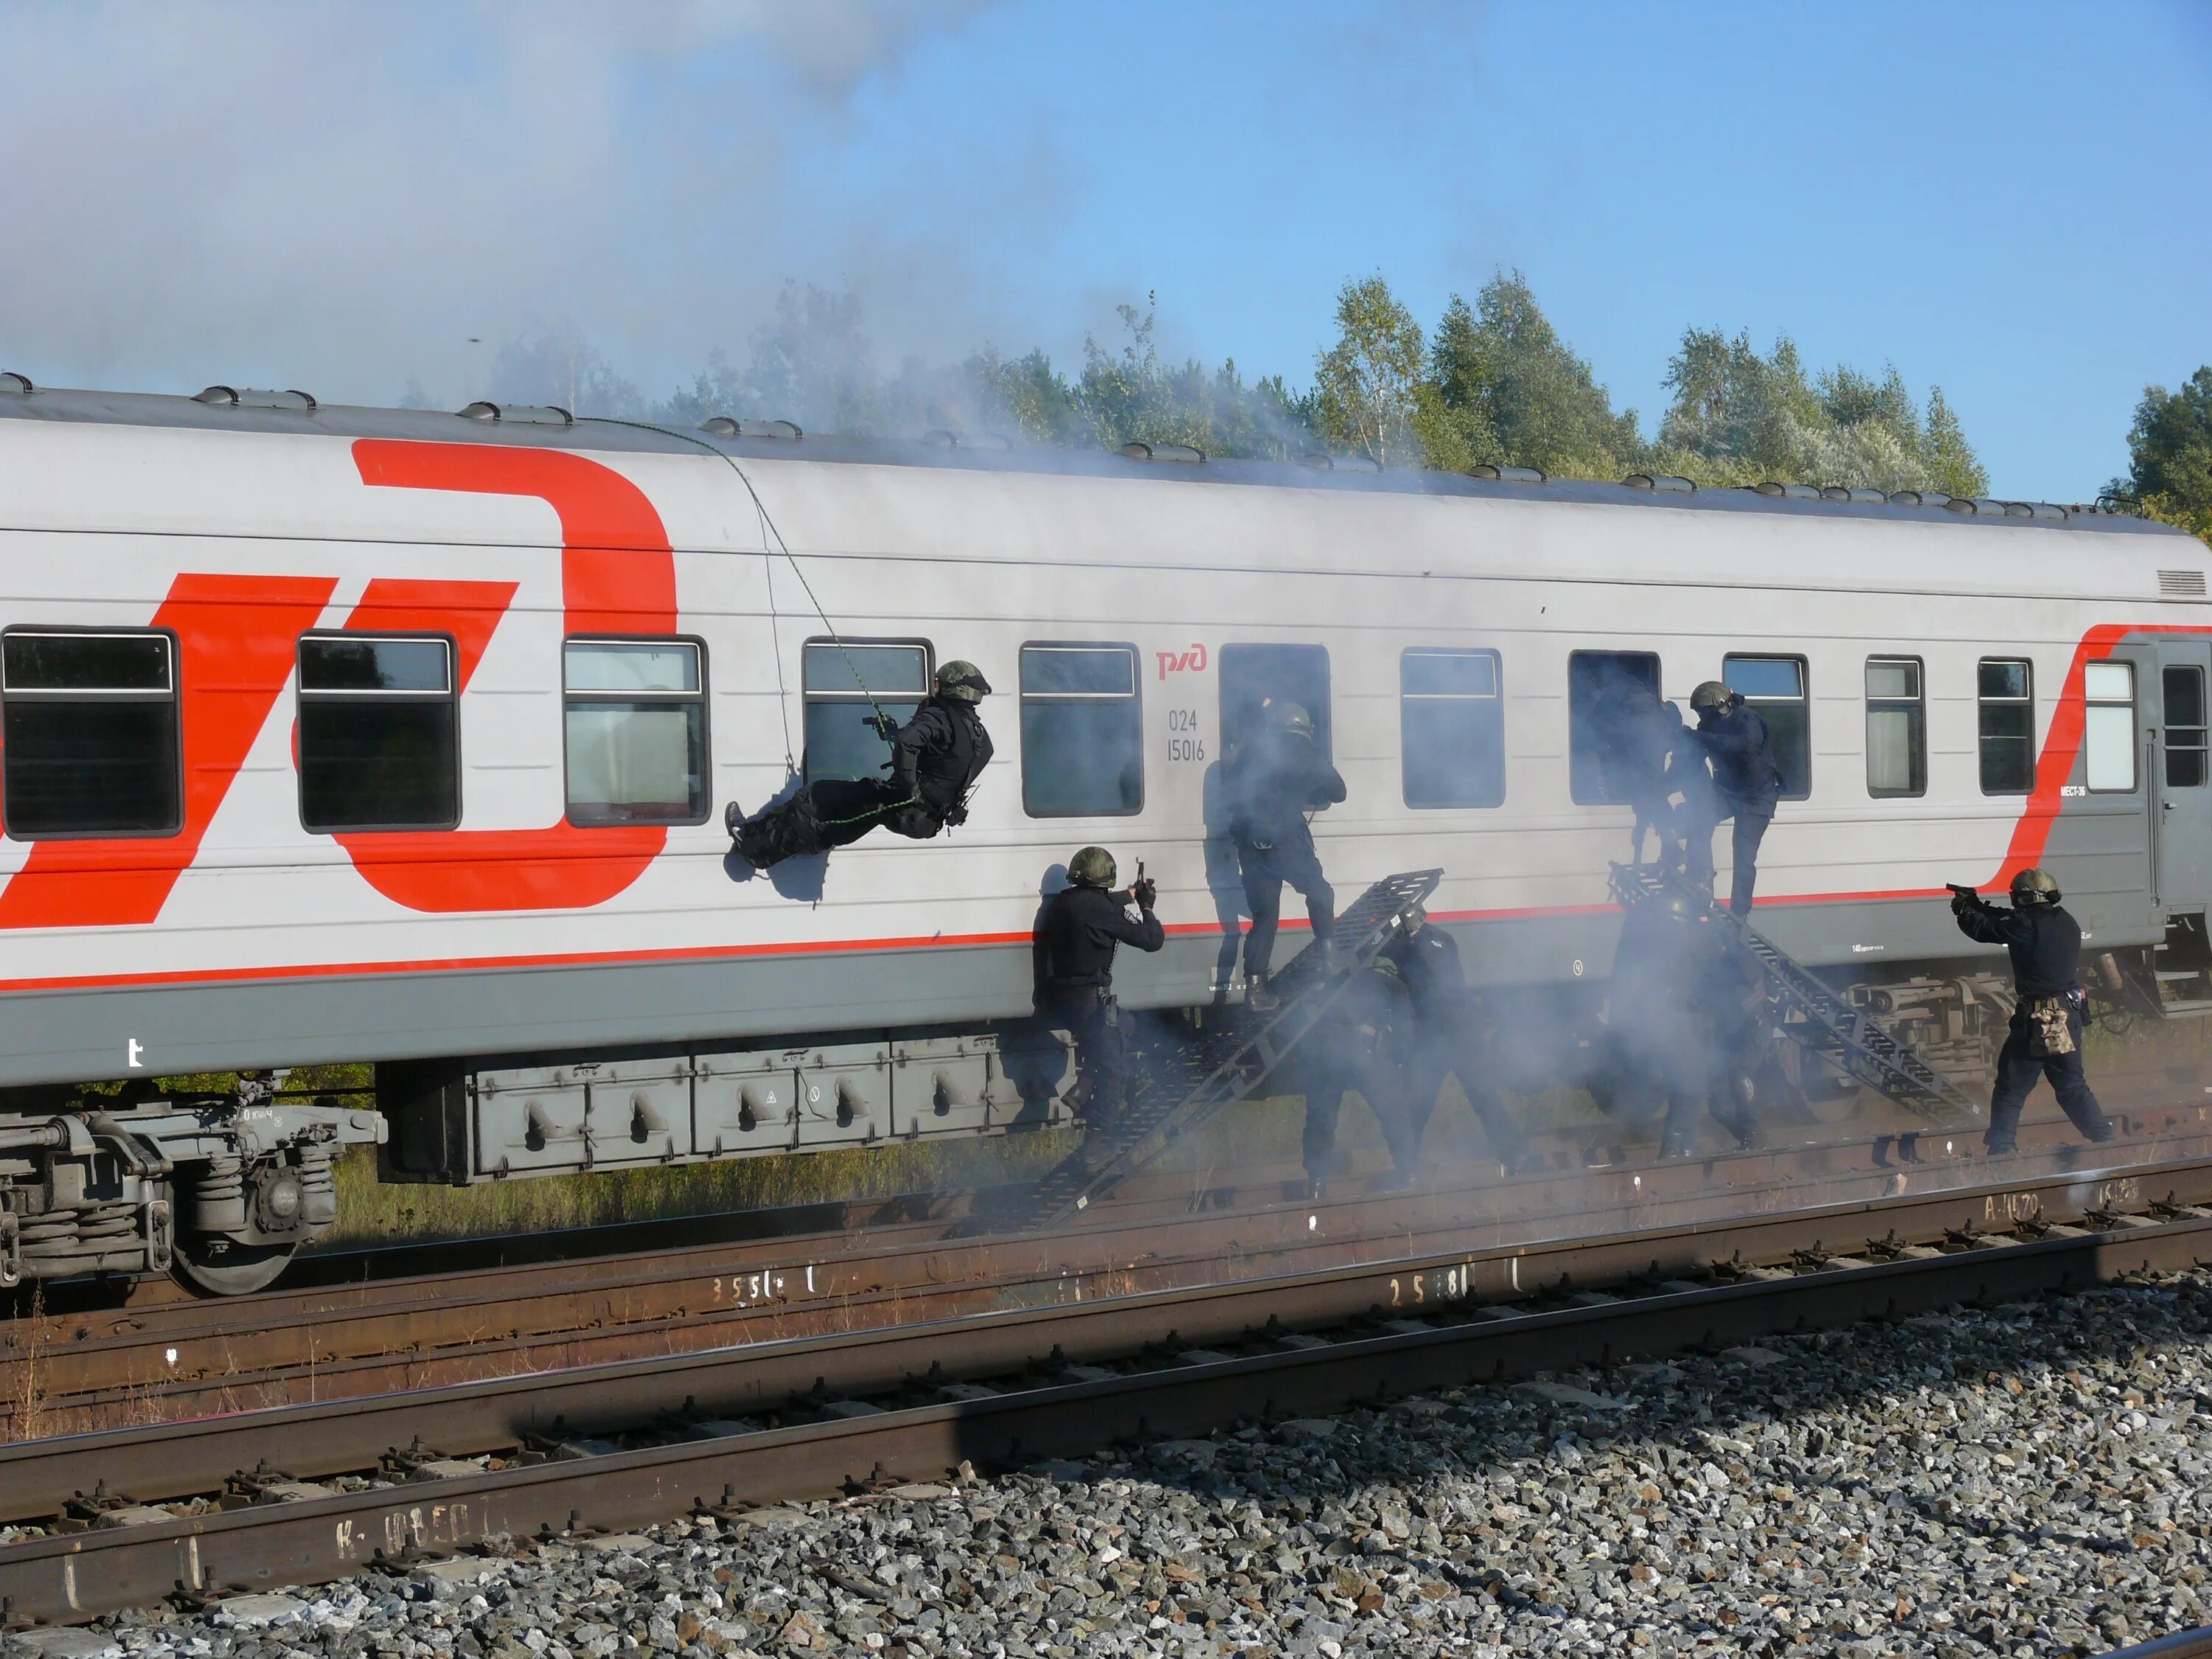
<point x="2026" y="1481"/>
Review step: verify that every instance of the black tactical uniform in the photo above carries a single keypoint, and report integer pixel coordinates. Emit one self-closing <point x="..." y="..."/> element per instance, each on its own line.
<point x="2044" y="944"/>
<point x="1747" y="784"/>
<point x="935" y="759"/>
<point x="1659" y="1020"/>
<point x="1652" y="759"/>
<point x="1271" y="786"/>
<point x="1446" y="1039"/>
<point x="1073" y="951"/>
<point x="1360" y="1046"/>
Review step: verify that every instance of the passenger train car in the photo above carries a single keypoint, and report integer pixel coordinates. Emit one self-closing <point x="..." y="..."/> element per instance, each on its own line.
<point x="350" y="734"/>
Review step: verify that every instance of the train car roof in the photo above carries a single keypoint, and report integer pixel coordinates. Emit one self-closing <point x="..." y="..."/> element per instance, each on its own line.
<point x="18" y="400"/>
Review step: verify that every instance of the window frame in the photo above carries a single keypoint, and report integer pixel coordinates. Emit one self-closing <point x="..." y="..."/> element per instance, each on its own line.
<point x="174" y="697"/>
<point x="301" y="696"/>
<point x="866" y="699"/>
<point x="1803" y="700"/>
<point x="1023" y="699"/>
<point x="1497" y="698"/>
<point x="1918" y="756"/>
<point x="1982" y="737"/>
<point x="2202" y="748"/>
<point x="1658" y="670"/>
<point x="2133" y="705"/>
<point x="702" y="695"/>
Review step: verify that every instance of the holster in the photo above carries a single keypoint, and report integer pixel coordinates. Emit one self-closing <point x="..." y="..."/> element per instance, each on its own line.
<point x="2050" y="1026"/>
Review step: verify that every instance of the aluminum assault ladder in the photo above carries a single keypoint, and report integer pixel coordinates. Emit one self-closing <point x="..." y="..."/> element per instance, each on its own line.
<point x="1235" y="1065"/>
<point x="1805" y="1010"/>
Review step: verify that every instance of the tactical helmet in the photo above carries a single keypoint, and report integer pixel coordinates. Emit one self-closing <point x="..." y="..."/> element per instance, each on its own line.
<point x="1091" y="867"/>
<point x="963" y="682"/>
<point x="2033" y="887"/>
<point x="1290" y="717"/>
<point x="1712" y="694"/>
<point x="1385" y="967"/>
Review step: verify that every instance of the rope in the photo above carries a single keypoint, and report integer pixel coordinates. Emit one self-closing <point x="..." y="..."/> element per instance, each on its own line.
<point x="768" y="519"/>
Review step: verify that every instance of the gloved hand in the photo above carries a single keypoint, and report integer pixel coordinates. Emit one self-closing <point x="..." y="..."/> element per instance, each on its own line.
<point x="955" y="814"/>
<point x="1146" y="891"/>
<point x="1960" y="904"/>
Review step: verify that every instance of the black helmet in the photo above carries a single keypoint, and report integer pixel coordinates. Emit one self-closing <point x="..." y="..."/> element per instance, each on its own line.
<point x="1710" y="695"/>
<point x="1093" y="866"/>
<point x="963" y="682"/>
<point x="2033" y="887"/>
<point x="1290" y="717"/>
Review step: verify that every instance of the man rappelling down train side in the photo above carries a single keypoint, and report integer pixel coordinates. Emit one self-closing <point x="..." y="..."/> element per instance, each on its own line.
<point x="935" y="759"/>
<point x="1271" y="786"/>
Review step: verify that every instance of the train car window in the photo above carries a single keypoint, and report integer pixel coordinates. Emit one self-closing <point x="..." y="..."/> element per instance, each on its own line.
<point x="90" y="742"/>
<point x="2186" y="727"/>
<point x="379" y="733"/>
<point x="839" y="680"/>
<point x="1775" y="686"/>
<point x="1601" y="687"/>
<point x="1451" y="728"/>
<point x="2108" y="738"/>
<point x="1896" y="729"/>
<point x="2005" y="693"/>
<point x="1254" y="676"/>
<point x="634" y="727"/>
<point x="1083" y="731"/>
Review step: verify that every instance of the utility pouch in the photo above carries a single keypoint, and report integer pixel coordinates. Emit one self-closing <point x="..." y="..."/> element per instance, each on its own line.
<point x="2050" y="1027"/>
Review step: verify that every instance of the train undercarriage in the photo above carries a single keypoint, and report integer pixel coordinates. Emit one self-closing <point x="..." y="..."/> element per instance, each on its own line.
<point x="223" y="1189"/>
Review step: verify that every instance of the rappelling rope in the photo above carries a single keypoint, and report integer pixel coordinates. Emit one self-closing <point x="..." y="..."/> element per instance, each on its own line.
<point x="791" y="558"/>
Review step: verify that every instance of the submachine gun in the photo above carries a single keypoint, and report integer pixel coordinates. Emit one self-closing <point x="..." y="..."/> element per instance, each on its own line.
<point x="1802" y="1008"/>
<point x="1232" y="1066"/>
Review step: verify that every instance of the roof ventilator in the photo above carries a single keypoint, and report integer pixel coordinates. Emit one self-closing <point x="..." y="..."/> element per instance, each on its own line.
<point x="518" y="414"/>
<point x="1788" y="492"/>
<point x="939" y="437"/>
<point x="1919" y="498"/>
<point x="227" y="397"/>
<point x="1183" y="454"/>
<point x="1318" y="461"/>
<point x="1664" y="482"/>
<point x="722" y="426"/>
<point x="2048" y="510"/>
<point x="1510" y="474"/>
<point x="13" y="385"/>
<point x="2181" y="584"/>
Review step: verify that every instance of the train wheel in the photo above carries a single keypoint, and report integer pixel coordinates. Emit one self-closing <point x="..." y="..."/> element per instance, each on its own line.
<point x="214" y="1264"/>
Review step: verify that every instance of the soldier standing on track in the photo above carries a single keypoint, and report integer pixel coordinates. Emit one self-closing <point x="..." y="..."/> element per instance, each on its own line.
<point x="1747" y="784"/>
<point x="1445" y="1037"/>
<point x="1271" y="787"/>
<point x="1073" y="953"/>
<point x="936" y="759"/>
<point x="1359" y="1047"/>
<point x="2044" y="944"/>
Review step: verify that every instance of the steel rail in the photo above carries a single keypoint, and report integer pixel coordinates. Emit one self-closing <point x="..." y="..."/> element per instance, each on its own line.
<point x="299" y="1346"/>
<point x="2182" y="1644"/>
<point x="1181" y="1387"/>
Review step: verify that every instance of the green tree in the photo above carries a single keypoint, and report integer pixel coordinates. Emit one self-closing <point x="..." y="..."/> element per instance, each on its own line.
<point x="1953" y="467"/>
<point x="2170" y="455"/>
<point x="1366" y="385"/>
<point x="1508" y="389"/>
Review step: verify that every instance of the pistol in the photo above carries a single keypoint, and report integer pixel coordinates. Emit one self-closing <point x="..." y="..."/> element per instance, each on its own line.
<point x="1968" y="893"/>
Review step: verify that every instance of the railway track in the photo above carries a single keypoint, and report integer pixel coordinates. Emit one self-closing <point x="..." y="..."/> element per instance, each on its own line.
<point x="307" y="1493"/>
<point x="137" y="1364"/>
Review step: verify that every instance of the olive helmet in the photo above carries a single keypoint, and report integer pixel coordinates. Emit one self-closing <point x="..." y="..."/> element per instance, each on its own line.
<point x="1093" y="866"/>
<point x="1385" y="967"/>
<point x="1290" y="717"/>
<point x="1712" y="696"/>
<point x="2033" y="887"/>
<point x="963" y="682"/>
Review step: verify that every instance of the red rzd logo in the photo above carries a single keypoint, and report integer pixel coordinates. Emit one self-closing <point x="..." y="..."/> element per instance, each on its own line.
<point x="1192" y="661"/>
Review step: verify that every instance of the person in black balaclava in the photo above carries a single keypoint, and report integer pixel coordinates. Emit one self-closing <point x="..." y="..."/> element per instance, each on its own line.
<point x="1271" y="786"/>
<point x="935" y="759"/>
<point x="1747" y="784"/>
<point x="1073" y="950"/>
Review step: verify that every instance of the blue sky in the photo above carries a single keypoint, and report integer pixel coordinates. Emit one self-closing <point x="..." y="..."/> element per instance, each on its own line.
<point x="2008" y="200"/>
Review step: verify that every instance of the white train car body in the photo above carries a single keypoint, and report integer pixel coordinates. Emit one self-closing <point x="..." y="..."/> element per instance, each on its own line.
<point x="238" y="937"/>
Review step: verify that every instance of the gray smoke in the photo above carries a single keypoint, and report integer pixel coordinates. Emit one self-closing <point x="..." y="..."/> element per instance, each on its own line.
<point x="348" y="197"/>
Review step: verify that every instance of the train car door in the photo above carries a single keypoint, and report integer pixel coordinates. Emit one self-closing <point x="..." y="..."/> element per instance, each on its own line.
<point x="2180" y="789"/>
